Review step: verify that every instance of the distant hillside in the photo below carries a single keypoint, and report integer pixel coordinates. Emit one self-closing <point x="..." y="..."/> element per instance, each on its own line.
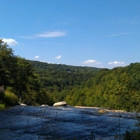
<point x="87" y="86"/>
<point x="36" y="83"/>
<point x="61" y="67"/>
<point x="63" y="75"/>
<point x="117" y="88"/>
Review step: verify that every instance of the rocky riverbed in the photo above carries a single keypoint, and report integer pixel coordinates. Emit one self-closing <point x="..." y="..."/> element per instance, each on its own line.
<point x="63" y="123"/>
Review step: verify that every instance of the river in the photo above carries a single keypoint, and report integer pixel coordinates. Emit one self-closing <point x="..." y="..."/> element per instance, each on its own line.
<point x="62" y="123"/>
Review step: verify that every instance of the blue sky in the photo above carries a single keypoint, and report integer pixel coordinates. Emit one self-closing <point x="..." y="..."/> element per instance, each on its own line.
<point x="96" y="33"/>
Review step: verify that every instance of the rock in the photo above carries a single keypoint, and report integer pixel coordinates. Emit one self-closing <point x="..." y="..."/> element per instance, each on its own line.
<point x="63" y="103"/>
<point x="22" y="104"/>
<point x="102" y="111"/>
<point x="43" y="105"/>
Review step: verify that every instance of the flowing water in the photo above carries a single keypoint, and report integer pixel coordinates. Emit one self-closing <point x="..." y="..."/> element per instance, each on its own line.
<point x="62" y="123"/>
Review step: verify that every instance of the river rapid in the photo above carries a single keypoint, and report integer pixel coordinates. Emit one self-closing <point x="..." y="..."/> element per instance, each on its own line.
<point x="63" y="123"/>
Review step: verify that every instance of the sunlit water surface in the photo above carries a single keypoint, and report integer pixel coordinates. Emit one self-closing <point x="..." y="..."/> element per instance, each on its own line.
<point x="62" y="123"/>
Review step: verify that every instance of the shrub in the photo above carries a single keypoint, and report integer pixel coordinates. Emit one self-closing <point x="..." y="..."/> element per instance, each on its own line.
<point x="2" y="106"/>
<point x="10" y="98"/>
<point x="133" y="134"/>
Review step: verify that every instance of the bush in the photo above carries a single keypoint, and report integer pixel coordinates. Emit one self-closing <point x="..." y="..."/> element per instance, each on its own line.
<point x="133" y="134"/>
<point x="10" y="98"/>
<point x="2" y="106"/>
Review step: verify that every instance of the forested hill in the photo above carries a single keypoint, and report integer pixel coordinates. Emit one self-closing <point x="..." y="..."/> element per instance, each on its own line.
<point x="38" y="65"/>
<point x="116" y="88"/>
<point x="36" y="83"/>
<point x="62" y="76"/>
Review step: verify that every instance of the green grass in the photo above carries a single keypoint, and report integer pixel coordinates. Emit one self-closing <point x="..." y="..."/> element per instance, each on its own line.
<point x="10" y="98"/>
<point x="2" y="106"/>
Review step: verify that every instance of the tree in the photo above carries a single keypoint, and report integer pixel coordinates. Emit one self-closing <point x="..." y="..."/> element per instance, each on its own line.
<point x="23" y="78"/>
<point x="6" y="64"/>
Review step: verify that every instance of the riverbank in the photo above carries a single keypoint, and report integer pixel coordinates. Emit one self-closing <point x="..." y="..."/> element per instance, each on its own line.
<point x="105" y="109"/>
<point x="36" y="122"/>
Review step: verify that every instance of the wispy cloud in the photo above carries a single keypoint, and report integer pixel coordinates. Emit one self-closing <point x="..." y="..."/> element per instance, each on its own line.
<point x="116" y="63"/>
<point x="37" y="56"/>
<point x="119" y="34"/>
<point x="58" y="57"/>
<point x="10" y="41"/>
<point x="52" y="34"/>
<point x="91" y="62"/>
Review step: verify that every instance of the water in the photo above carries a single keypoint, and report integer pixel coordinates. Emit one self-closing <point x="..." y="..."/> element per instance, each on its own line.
<point x="62" y="123"/>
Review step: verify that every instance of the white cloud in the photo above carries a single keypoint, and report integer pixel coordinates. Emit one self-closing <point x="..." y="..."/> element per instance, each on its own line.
<point x="51" y="34"/>
<point x="117" y="63"/>
<point x="47" y="35"/>
<point x="36" y="56"/>
<point x="58" y="57"/>
<point x="10" y="41"/>
<point x="89" y="62"/>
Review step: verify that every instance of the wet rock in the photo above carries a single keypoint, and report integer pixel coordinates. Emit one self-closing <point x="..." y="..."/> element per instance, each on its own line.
<point x="63" y="103"/>
<point x="22" y="104"/>
<point x="43" y="105"/>
<point x="102" y="111"/>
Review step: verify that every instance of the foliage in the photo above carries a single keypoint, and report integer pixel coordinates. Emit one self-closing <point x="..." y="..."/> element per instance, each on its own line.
<point x="2" y="106"/>
<point x="117" y="88"/>
<point x="133" y="134"/>
<point x="58" y="80"/>
<point x="10" y="98"/>
<point x="36" y="82"/>
<point x="18" y="78"/>
<point x="6" y="64"/>
<point x="62" y="75"/>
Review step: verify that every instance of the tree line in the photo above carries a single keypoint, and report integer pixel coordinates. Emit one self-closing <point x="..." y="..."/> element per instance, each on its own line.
<point x="35" y="83"/>
<point x="18" y="80"/>
<point x="117" y="88"/>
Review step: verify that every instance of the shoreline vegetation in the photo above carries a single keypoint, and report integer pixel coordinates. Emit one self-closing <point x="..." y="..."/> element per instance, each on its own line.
<point x="37" y="83"/>
<point x="2" y="106"/>
<point x="101" y="109"/>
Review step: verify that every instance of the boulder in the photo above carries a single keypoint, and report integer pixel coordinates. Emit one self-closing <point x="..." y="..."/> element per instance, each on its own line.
<point x="102" y="111"/>
<point x="22" y="104"/>
<point x="43" y="105"/>
<point x="63" y="103"/>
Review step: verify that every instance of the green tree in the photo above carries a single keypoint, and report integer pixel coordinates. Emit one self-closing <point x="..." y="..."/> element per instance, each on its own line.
<point x="6" y="64"/>
<point x="25" y="82"/>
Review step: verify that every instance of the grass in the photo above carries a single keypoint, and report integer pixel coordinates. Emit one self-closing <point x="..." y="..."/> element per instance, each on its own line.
<point x="2" y="106"/>
<point x="10" y="98"/>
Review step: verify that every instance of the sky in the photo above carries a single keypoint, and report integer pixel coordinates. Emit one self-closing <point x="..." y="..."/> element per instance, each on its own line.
<point x="95" y="33"/>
